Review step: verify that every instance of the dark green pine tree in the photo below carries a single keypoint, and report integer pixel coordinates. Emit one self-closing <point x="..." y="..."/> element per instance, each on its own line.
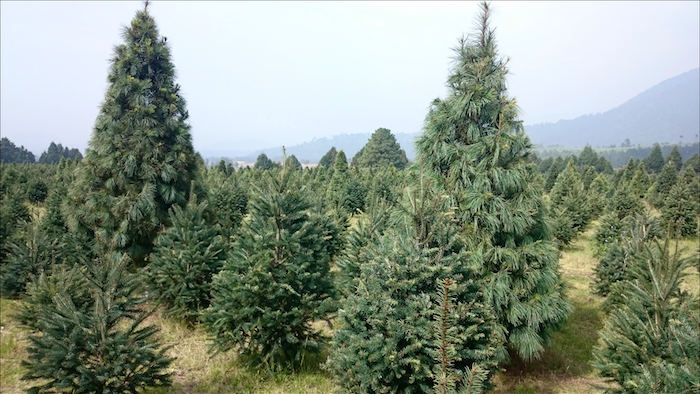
<point x="587" y="157"/>
<point x="663" y="185"/>
<point x="185" y="259"/>
<point x="276" y="281"/>
<point x="624" y="176"/>
<point x="380" y="151"/>
<point x="264" y="163"/>
<point x="335" y="195"/>
<point x="328" y="160"/>
<point x="474" y="143"/>
<point x="604" y="166"/>
<point x="624" y="203"/>
<point x="640" y="181"/>
<point x="569" y="195"/>
<point x="391" y="332"/>
<point x="597" y="191"/>
<point x="227" y="200"/>
<point x="682" y="208"/>
<point x="588" y="175"/>
<point x="10" y="153"/>
<point x="694" y="163"/>
<point x="293" y="163"/>
<point x="655" y="161"/>
<point x="555" y="169"/>
<point x="140" y="160"/>
<point x="641" y="333"/>
<point x="674" y="157"/>
<point x="91" y="337"/>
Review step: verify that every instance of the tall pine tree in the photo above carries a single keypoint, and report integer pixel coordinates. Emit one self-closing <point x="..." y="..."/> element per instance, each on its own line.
<point x="475" y="144"/>
<point x="140" y="160"/>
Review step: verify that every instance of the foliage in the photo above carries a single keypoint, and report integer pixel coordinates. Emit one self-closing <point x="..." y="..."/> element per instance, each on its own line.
<point x="328" y="160"/>
<point x="641" y="333"/>
<point x="276" y="281"/>
<point x="227" y="200"/>
<point x="640" y="181"/>
<point x="293" y="163"/>
<point x="381" y="150"/>
<point x="655" y="161"/>
<point x="675" y="159"/>
<point x="140" y="160"/>
<point x="682" y="207"/>
<point x="624" y="203"/>
<point x="694" y="163"/>
<point x="101" y="347"/>
<point x="10" y="153"/>
<point x="34" y="253"/>
<point x="664" y="183"/>
<point x="569" y="197"/>
<point x="388" y="339"/>
<point x="55" y="153"/>
<point x="475" y="145"/>
<point x="185" y="259"/>
<point x="37" y="191"/>
<point x="335" y="195"/>
<point x="264" y="163"/>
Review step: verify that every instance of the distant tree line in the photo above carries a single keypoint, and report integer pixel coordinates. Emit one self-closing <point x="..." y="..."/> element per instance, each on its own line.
<point x="10" y="153"/>
<point x="618" y="157"/>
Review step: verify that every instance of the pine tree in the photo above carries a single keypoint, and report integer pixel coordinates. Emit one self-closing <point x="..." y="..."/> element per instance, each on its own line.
<point x="694" y="163"/>
<point x="597" y="192"/>
<point x="655" y="161"/>
<point x="264" y="163"/>
<point x="475" y="145"/>
<point x="293" y="163"/>
<point x="228" y="201"/>
<point x="140" y="160"/>
<point x="95" y="346"/>
<point x="554" y="170"/>
<point x="335" y="195"/>
<point x="587" y="157"/>
<point x="665" y="181"/>
<point x="391" y="335"/>
<point x="185" y="259"/>
<point x="276" y="281"/>
<point x="328" y="160"/>
<point x="674" y="157"/>
<point x="381" y="150"/>
<point x="682" y="208"/>
<point x="640" y="181"/>
<point x="569" y="196"/>
<point x="639" y="332"/>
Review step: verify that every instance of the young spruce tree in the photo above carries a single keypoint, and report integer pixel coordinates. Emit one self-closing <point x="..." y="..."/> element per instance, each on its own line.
<point x="475" y="144"/>
<point x="277" y="280"/>
<point x="140" y="160"/>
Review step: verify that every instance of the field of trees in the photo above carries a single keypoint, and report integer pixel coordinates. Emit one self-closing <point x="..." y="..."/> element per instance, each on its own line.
<point x="478" y="267"/>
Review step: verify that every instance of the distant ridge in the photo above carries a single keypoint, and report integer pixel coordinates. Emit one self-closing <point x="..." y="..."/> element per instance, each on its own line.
<point x="662" y="114"/>
<point x="312" y="151"/>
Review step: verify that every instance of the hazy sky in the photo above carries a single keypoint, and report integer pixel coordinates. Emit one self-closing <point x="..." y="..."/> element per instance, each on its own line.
<point x="264" y="74"/>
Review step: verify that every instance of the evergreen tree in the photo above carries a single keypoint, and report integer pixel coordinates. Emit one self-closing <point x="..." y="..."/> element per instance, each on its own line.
<point x="185" y="259"/>
<point x="264" y="163"/>
<point x="391" y="336"/>
<point x="37" y="191"/>
<point x="694" y="163"/>
<point x="674" y="157"/>
<point x="31" y="255"/>
<point x="587" y="157"/>
<point x="597" y="191"/>
<point x="667" y="178"/>
<point x="100" y="346"/>
<point x="625" y="203"/>
<point x="55" y="153"/>
<point x="10" y="153"/>
<point x="569" y="195"/>
<point x="475" y="145"/>
<point x="140" y="160"/>
<point x="335" y="192"/>
<point x="381" y="150"/>
<point x="640" y="181"/>
<point x="293" y="163"/>
<point x="655" y="161"/>
<point x="682" y="207"/>
<point x="228" y="201"/>
<point x="328" y="160"/>
<point x="588" y="175"/>
<point x="545" y="165"/>
<point x="276" y="281"/>
<point x="639" y="333"/>
<point x="554" y="170"/>
<point x="604" y="166"/>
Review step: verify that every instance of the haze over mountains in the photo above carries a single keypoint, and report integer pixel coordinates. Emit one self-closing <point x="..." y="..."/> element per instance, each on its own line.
<point x="668" y="112"/>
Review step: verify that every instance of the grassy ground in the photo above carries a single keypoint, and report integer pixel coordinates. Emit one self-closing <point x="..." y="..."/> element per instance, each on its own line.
<point x="563" y="368"/>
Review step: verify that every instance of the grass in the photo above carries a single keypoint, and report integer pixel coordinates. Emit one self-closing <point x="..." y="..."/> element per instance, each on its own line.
<point x="563" y="368"/>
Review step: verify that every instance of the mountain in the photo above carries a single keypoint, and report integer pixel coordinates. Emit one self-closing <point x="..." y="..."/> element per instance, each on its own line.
<point x="668" y="112"/>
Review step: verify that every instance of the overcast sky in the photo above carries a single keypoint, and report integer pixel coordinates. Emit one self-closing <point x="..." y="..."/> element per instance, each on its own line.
<point x="264" y="74"/>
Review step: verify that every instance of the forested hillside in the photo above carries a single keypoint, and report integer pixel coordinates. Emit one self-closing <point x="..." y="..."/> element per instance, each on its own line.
<point x="480" y="267"/>
<point x="665" y="113"/>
